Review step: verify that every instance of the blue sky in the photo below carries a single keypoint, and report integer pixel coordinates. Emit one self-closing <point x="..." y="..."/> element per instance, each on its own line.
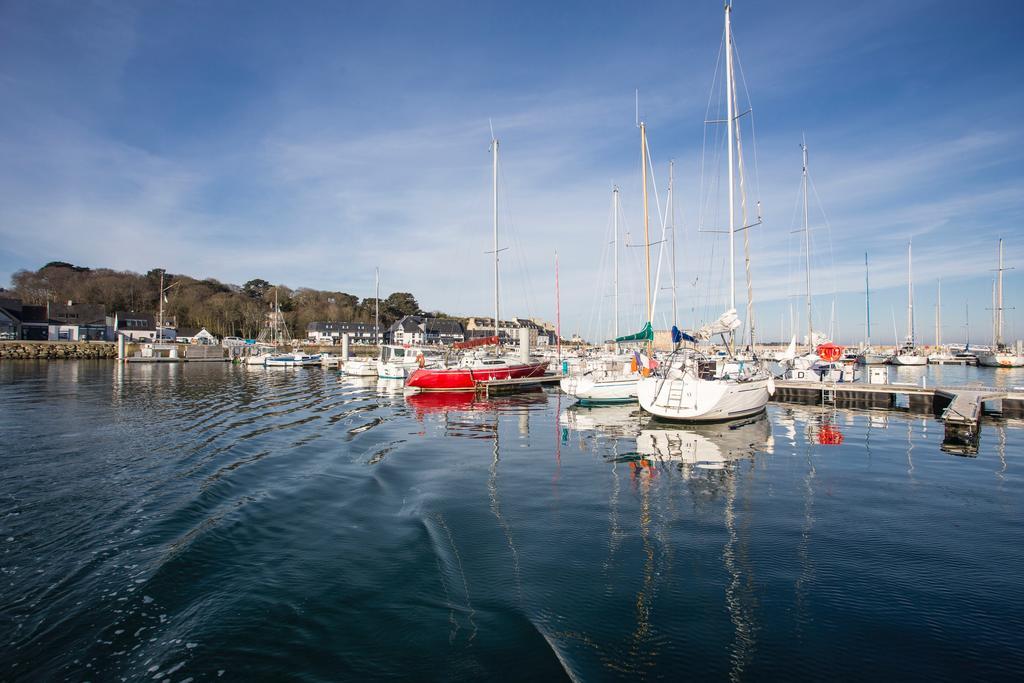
<point x="306" y="143"/>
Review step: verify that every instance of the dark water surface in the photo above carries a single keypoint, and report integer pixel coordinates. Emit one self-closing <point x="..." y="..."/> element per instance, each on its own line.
<point x="207" y="521"/>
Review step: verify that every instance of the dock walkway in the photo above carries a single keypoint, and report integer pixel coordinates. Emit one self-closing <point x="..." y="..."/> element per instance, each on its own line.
<point x="960" y="408"/>
<point x="490" y="385"/>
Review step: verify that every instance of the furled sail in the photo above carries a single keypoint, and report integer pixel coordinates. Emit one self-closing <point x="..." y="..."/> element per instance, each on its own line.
<point x="473" y="343"/>
<point x="646" y="334"/>
<point x="727" y="322"/>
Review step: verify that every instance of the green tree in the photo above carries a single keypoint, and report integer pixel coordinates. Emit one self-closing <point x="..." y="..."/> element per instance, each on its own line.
<point x="256" y="288"/>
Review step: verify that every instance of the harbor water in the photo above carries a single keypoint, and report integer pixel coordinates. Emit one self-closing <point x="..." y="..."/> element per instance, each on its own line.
<point x="214" y="522"/>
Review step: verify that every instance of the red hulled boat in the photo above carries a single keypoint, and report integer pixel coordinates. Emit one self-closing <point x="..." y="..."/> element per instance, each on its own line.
<point x="463" y="378"/>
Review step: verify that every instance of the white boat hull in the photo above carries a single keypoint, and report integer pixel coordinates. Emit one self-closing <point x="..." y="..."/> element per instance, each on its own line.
<point x="873" y="358"/>
<point x="293" y="360"/>
<point x="903" y="359"/>
<point x="1001" y="360"/>
<point x="608" y="389"/>
<point x="691" y="399"/>
<point x="360" y="368"/>
<point x="393" y="370"/>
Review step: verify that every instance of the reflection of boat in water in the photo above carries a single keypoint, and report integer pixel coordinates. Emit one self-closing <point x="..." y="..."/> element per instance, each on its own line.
<point x="613" y="420"/>
<point x="426" y="402"/>
<point x="389" y="385"/>
<point x="709" y="446"/>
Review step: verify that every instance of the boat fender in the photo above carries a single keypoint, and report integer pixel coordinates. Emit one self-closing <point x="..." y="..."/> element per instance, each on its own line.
<point x="771" y="386"/>
<point x="420" y="360"/>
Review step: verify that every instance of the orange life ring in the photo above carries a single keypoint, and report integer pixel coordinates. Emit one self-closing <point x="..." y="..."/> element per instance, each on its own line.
<point x="830" y="352"/>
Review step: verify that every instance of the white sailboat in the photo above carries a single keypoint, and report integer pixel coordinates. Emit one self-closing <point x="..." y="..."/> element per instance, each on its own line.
<point x="823" y="360"/>
<point x="606" y="380"/>
<point x="701" y="389"/>
<point x="1000" y="356"/>
<point x="367" y="367"/>
<point x="940" y="355"/>
<point x="869" y="356"/>
<point x="908" y="354"/>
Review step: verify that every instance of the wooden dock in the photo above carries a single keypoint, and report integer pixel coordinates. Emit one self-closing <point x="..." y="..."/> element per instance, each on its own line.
<point x="492" y="385"/>
<point x="960" y="408"/>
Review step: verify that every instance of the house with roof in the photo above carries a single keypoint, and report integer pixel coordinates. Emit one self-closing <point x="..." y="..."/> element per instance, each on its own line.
<point x="192" y="335"/>
<point x="331" y="332"/>
<point x="137" y="326"/>
<point x="407" y="330"/>
<point x="443" y="331"/>
<point x="10" y="319"/>
<point x="23" y="321"/>
<point x="77" y="322"/>
<point x="416" y="330"/>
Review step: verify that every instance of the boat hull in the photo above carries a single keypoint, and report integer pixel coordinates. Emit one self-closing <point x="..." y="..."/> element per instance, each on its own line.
<point x="690" y="399"/>
<point x="908" y="360"/>
<point x="1001" y="360"/>
<point x="463" y="379"/>
<point x="360" y="368"/>
<point x="292" y="361"/>
<point x="601" y="391"/>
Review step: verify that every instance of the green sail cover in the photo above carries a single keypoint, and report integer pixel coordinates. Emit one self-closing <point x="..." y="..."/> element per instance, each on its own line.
<point x="646" y="334"/>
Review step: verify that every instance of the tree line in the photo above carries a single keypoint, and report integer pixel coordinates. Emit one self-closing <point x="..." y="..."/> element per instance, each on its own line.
<point x="223" y="309"/>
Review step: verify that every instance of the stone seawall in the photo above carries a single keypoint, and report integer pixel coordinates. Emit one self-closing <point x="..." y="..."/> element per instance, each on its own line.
<point x="12" y="350"/>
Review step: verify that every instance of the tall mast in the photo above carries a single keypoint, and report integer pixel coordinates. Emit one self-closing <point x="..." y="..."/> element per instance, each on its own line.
<point x="938" y="316"/>
<point x="910" y="293"/>
<point x="160" y="322"/>
<point x="494" y="147"/>
<point x="967" y="324"/>
<point x="995" y="317"/>
<point x="672" y="225"/>
<point x="376" y="305"/>
<point x="615" y="275"/>
<point x="730" y="105"/>
<point x="807" y="249"/>
<point x="999" y="299"/>
<point x="558" y="314"/>
<point x="867" y="299"/>
<point x="647" y="238"/>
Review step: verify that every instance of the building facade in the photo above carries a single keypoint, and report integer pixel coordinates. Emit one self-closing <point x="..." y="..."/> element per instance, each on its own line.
<point x="331" y="332"/>
<point x="416" y="330"/>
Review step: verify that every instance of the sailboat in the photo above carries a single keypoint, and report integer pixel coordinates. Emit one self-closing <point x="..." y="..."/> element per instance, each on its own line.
<point x="868" y="356"/>
<point x="610" y="379"/>
<point x="367" y="367"/>
<point x="908" y="354"/>
<point x="474" y="369"/>
<point x="823" y="360"/>
<point x="700" y="389"/>
<point x="940" y="355"/>
<point x="1000" y="356"/>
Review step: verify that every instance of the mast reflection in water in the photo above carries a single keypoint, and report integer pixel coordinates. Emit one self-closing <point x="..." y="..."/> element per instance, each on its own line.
<point x="183" y="521"/>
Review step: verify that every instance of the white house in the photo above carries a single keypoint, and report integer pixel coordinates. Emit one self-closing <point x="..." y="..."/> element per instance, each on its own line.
<point x="190" y="335"/>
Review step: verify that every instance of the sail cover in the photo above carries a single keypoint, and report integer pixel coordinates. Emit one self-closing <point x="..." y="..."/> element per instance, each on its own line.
<point x="646" y="334"/>
<point x="473" y="343"/>
<point x="727" y="322"/>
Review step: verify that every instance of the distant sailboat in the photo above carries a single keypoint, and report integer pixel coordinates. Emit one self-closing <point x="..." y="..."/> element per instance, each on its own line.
<point x="940" y="355"/>
<point x="823" y="361"/>
<point x="613" y="379"/>
<point x="476" y="369"/>
<point x="908" y="354"/>
<point x="869" y="356"/>
<point x="367" y="367"/>
<point x="1000" y="356"/>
